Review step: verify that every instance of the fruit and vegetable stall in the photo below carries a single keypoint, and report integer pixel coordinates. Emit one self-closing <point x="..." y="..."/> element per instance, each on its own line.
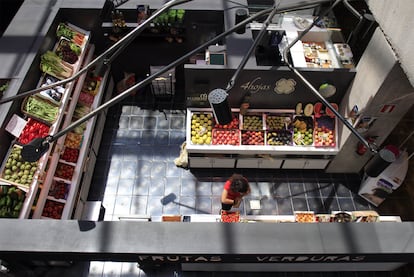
<point x="49" y="187"/>
<point x="287" y="133"/>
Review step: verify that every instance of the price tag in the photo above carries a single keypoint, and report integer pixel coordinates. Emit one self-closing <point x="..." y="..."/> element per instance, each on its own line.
<point x="16" y="125"/>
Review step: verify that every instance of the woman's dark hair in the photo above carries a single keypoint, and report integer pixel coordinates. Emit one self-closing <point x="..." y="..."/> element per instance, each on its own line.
<point x="239" y="183"/>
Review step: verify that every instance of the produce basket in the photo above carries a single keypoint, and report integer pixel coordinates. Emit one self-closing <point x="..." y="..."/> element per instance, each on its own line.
<point x="59" y="189"/>
<point x="55" y="66"/>
<point x="72" y="33"/>
<point x="33" y="129"/>
<point x="279" y="137"/>
<point x="53" y="209"/>
<point x="54" y="94"/>
<point x="68" y="51"/>
<point x="252" y="137"/>
<point x="277" y="121"/>
<point x="305" y="216"/>
<point x="73" y="140"/>
<point x="16" y="171"/>
<point x="303" y="130"/>
<point x="70" y="155"/>
<point x="201" y="128"/>
<point x="64" y="171"/>
<point x="86" y="99"/>
<point x="230" y="216"/>
<point x="324" y="132"/>
<point x="91" y="85"/>
<point x="234" y="123"/>
<point x="226" y="137"/>
<point x="252" y="121"/>
<point x="11" y="201"/>
<point x="40" y="109"/>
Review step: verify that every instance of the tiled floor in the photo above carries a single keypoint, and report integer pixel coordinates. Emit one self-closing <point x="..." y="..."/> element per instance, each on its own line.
<point x="135" y="170"/>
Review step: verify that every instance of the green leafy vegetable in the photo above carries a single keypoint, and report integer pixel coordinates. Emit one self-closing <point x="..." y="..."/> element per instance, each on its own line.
<point x="52" y="64"/>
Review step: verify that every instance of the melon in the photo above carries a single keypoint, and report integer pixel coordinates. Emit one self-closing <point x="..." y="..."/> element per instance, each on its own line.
<point x="308" y="111"/>
<point x="299" y="108"/>
<point x="317" y="108"/>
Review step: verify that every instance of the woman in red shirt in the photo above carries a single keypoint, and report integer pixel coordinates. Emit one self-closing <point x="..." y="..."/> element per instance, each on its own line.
<point x="234" y="189"/>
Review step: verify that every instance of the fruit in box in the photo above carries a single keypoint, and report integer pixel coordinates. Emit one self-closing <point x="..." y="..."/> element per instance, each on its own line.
<point x="324" y="134"/>
<point x="234" y="124"/>
<point x="279" y="137"/>
<point x="33" y="129"/>
<point x="201" y="128"/>
<point x="277" y="122"/>
<point x="305" y="217"/>
<point x="252" y="138"/>
<point x="59" y="189"/>
<point x="53" y="209"/>
<point x="86" y="99"/>
<point x="230" y="216"/>
<point x="91" y="85"/>
<point x="11" y="201"/>
<point x="81" y="110"/>
<point x="303" y="130"/>
<point x="226" y="137"/>
<point x="16" y="170"/>
<point x="252" y="122"/>
<point x="73" y="140"/>
<point x="70" y="155"/>
<point x="64" y="171"/>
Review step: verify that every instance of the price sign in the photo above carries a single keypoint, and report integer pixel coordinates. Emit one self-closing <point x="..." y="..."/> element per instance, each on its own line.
<point x="16" y="125"/>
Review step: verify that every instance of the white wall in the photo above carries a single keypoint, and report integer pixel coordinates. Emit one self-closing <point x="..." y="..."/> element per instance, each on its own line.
<point x="396" y="19"/>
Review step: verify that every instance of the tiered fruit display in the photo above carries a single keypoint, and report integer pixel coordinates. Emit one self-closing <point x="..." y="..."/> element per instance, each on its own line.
<point x="53" y="209"/>
<point x="279" y="137"/>
<point x="253" y="137"/>
<point x="234" y="124"/>
<point x="303" y="130"/>
<point x="252" y="122"/>
<point x="11" y="201"/>
<point x="324" y="134"/>
<point x="201" y="128"/>
<point x="226" y="137"/>
<point x="59" y="189"/>
<point x="33" y="129"/>
<point x="18" y="171"/>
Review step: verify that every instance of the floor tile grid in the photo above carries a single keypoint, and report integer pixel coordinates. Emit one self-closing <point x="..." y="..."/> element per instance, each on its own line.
<point x="132" y="192"/>
<point x="128" y="194"/>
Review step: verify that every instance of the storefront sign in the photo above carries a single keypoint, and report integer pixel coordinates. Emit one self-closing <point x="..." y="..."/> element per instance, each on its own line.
<point x="282" y="86"/>
<point x="155" y="259"/>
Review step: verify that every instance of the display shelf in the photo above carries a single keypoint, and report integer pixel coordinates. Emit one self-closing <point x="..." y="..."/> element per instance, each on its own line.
<point x="252" y="149"/>
<point x="51" y="157"/>
<point x="82" y="162"/>
<point x="257" y="154"/>
<point x="38" y="180"/>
